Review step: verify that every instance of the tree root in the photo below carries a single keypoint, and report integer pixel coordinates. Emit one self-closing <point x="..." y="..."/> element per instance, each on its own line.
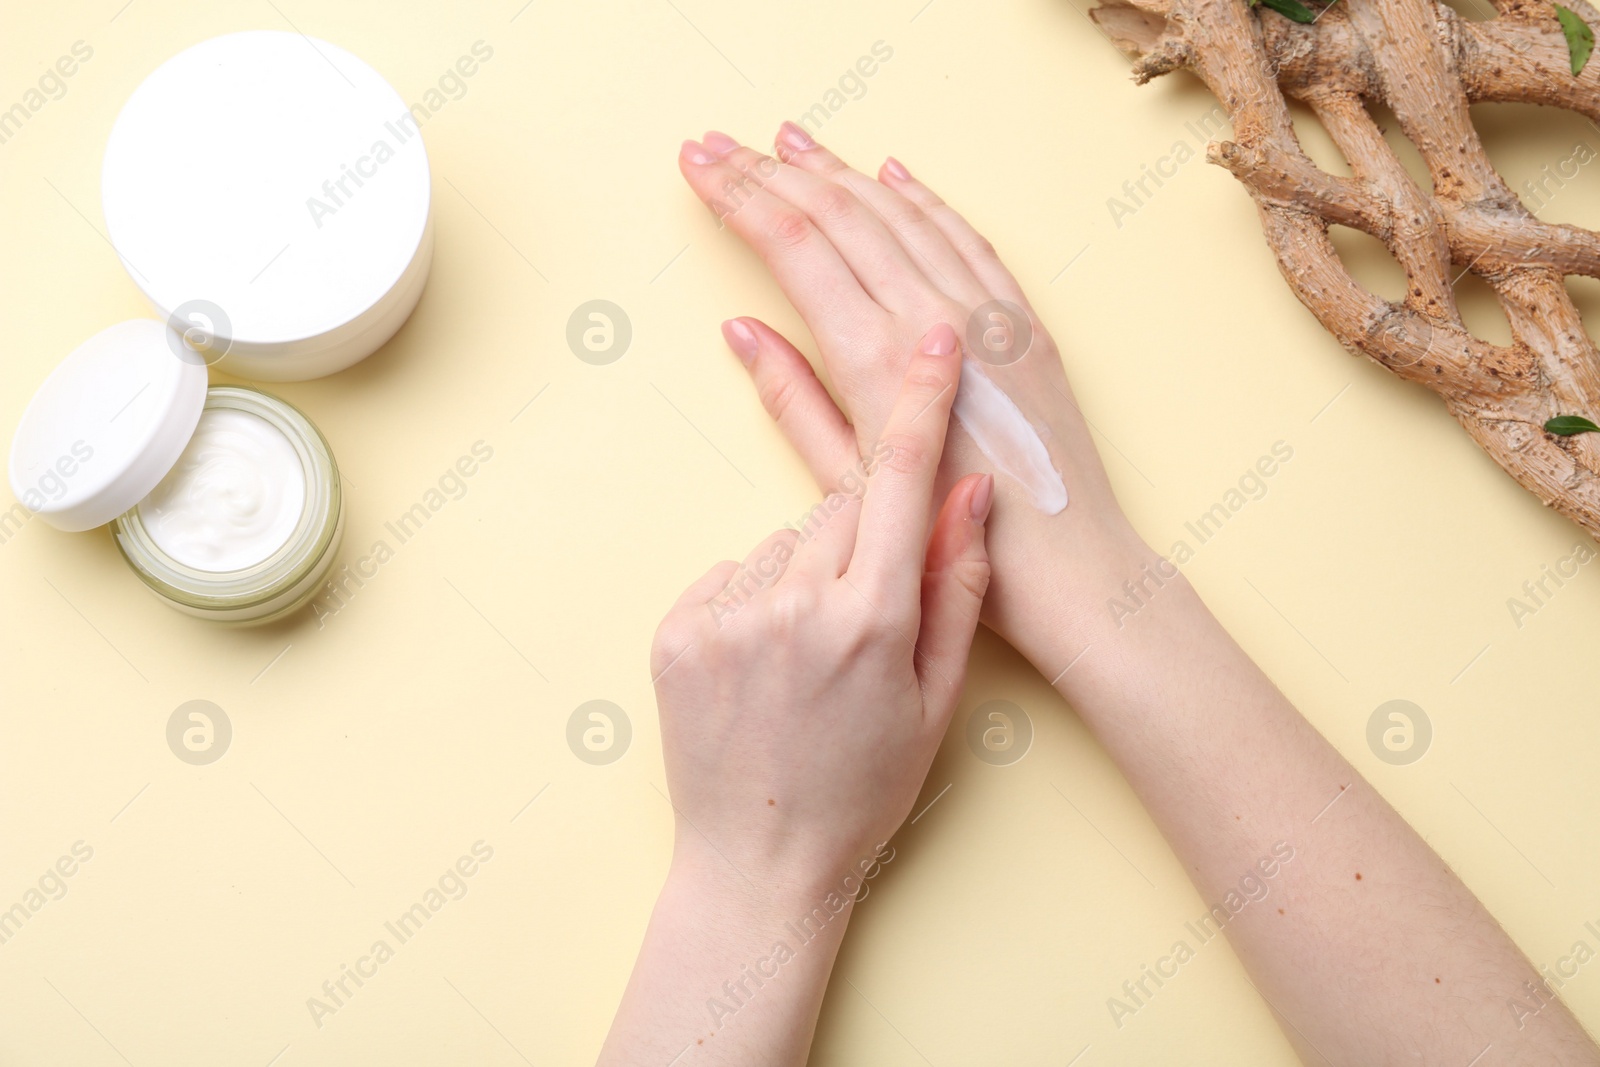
<point x="1427" y="64"/>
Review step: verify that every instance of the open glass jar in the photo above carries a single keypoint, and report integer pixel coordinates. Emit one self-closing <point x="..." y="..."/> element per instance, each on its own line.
<point x="225" y="500"/>
<point x="260" y="590"/>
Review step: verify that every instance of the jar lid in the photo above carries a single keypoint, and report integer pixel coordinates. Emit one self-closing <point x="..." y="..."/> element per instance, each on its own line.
<point x="272" y="189"/>
<point x="107" y="425"/>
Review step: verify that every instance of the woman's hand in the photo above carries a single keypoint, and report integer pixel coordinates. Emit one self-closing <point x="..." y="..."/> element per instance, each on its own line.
<point x="871" y="265"/>
<point x="803" y="694"/>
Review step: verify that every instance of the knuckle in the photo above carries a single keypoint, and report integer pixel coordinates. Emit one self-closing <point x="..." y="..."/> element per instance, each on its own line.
<point x="788" y="228"/>
<point x="673" y="637"/>
<point x="975" y="245"/>
<point x="972" y="575"/>
<point x="925" y="379"/>
<point x="833" y="202"/>
<point x="789" y="610"/>
<point x="907" y="453"/>
<point x="906" y="216"/>
<point x="777" y="394"/>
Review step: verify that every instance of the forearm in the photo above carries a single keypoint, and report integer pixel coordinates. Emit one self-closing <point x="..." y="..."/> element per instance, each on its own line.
<point x="1350" y="925"/>
<point x="729" y="972"/>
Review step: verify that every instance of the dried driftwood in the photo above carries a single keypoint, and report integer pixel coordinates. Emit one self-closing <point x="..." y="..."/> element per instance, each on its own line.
<point x="1427" y="64"/>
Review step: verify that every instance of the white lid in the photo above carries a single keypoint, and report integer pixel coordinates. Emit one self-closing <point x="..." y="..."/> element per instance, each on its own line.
<point x="222" y="189"/>
<point x="107" y="425"/>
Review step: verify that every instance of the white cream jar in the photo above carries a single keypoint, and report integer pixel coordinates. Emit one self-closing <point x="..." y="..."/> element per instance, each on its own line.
<point x="270" y="195"/>
<point x="224" y="500"/>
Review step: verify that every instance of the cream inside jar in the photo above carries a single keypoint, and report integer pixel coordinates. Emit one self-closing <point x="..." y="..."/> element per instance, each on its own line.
<point x="233" y="498"/>
<point x="246" y="524"/>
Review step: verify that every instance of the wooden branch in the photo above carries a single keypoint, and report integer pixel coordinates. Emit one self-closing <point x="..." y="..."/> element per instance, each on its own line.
<point x="1428" y="66"/>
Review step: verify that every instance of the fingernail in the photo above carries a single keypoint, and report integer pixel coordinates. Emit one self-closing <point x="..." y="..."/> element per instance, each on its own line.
<point x="795" y="138"/>
<point x="982" y="498"/>
<point x="896" y="169"/>
<point x="939" y="341"/>
<point x="695" y="152"/>
<point x="742" y="339"/>
<point x="719" y="142"/>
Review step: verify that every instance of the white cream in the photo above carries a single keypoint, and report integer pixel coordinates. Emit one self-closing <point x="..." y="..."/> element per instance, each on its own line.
<point x="1004" y="434"/>
<point x="234" y="496"/>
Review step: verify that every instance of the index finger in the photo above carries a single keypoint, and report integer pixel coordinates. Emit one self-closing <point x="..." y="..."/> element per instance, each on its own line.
<point x="806" y="265"/>
<point x="894" y="513"/>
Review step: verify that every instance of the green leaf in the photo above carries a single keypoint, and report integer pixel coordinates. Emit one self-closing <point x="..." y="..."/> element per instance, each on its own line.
<point x="1298" y="12"/>
<point x="1567" y="425"/>
<point x="1580" y="38"/>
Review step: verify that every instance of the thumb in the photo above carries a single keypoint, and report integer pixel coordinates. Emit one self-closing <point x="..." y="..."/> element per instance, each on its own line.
<point x="954" y="579"/>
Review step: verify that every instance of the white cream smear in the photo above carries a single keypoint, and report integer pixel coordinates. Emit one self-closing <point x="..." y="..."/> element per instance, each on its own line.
<point x="1004" y="434"/>
<point x="233" y="498"/>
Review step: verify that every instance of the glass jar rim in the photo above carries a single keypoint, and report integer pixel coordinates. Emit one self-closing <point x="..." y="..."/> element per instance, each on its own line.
<point x="308" y="548"/>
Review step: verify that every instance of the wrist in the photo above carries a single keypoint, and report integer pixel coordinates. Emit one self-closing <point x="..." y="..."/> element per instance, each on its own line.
<point x="1094" y="614"/>
<point x="772" y="891"/>
<point x="1054" y="576"/>
<point x="743" y="914"/>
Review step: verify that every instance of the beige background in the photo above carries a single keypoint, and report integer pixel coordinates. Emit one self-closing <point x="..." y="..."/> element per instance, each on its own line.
<point x="371" y="752"/>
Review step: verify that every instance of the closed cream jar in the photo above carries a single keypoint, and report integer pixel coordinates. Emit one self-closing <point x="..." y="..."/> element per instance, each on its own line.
<point x="298" y="238"/>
